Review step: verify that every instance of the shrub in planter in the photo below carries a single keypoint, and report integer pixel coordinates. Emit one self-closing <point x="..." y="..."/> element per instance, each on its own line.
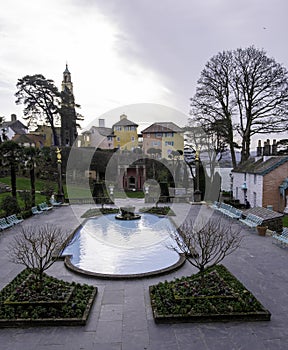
<point x="59" y="303"/>
<point x="220" y="298"/>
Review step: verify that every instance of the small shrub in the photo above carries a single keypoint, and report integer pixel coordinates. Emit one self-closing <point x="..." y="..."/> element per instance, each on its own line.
<point x="26" y="214"/>
<point x="10" y="206"/>
<point x="26" y="198"/>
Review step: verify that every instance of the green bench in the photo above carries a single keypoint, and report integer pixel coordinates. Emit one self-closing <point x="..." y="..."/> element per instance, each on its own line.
<point x="252" y="220"/>
<point x="281" y="238"/>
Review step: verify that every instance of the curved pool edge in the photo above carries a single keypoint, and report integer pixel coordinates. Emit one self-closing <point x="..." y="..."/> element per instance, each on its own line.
<point x="166" y="270"/>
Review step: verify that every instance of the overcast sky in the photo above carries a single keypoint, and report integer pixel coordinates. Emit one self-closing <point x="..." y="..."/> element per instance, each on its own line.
<point x="123" y="52"/>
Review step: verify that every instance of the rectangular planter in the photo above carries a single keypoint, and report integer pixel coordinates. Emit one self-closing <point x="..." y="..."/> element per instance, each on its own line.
<point x="51" y="322"/>
<point x="251" y="316"/>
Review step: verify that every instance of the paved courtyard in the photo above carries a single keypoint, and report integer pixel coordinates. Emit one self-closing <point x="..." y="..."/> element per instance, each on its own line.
<point x="121" y="317"/>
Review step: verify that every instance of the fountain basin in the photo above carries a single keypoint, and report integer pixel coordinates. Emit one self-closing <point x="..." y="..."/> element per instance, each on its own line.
<point x="106" y="247"/>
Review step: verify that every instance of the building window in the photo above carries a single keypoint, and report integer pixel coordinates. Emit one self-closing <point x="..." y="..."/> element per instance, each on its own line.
<point x="158" y="134"/>
<point x="118" y="138"/>
<point x="132" y="138"/>
<point x="245" y="176"/>
<point x="118" y="128"/>
<point x="169" y="143"/>
<point x="255" y="178"/>
<point x="236" y="193"/>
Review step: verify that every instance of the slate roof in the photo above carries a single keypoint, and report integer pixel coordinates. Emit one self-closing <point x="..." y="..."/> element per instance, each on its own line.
<point x="163" y="127"/>
<point x="16" y="126"/>
<point x="263" y="213"/>
<point x="104" y="131"/>
<point x="259" y="166"/>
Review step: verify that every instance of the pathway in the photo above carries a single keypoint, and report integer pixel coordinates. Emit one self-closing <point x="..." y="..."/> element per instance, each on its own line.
<point x="121" y="317"/>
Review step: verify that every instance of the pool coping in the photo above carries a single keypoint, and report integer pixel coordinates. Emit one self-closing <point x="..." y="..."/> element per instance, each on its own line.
<point x="70" y="266"/>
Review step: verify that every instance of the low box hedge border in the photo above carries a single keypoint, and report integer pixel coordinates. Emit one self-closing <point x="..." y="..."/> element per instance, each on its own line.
<point x="166" y="307"/>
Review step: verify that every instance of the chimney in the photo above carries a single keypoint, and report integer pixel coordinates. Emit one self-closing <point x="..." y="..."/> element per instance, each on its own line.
<point x="101" y="123"/>
<point x="13" y="117"/>
<point x="123" y="116"/>
<point x="259" y="149"/>
<point x="267" y="148"/>
<point x="274" y="148"/>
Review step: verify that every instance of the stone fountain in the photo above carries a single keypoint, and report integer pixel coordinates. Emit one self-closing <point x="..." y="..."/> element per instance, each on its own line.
<point x="127" y="213"/>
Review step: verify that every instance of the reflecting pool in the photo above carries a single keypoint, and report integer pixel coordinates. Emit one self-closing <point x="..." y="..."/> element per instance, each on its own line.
<point x="105" y="245"/>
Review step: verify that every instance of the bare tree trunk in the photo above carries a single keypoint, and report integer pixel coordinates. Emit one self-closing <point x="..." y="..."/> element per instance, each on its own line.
<point x="32" y="183"/>
<point x="13" y="180"/>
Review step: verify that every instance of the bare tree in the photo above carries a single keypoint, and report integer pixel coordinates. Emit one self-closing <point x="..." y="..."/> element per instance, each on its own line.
<point x="207" y="244"/>
<point x="213" y="104"/>
<point x="38" y="247"/>
<point x="245" y="92"/>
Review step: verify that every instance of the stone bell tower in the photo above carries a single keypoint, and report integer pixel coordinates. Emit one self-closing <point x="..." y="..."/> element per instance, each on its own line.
<point x="68" y="113"/>
<point x="67" y="84"/>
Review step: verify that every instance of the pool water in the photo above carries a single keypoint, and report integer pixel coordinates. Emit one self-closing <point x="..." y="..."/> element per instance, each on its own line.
<point x="105" y="245"/>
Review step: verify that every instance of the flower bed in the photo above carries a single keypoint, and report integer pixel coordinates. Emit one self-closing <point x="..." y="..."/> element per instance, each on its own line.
<point x="99" y="211"/>
<point x="27" y="302"/>
<point x="217" y="297"/>
<point x="158" y="211"/>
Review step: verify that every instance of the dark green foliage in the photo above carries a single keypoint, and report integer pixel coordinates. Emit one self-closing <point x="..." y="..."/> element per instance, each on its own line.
<point x="48" y="189"/>
<point x="41" y="99"/>
<point x="164" y="192"/>
<point x="10" y="157"/>
<point x="221" y="294"/>
<point x="98" y="189"/>
<point x="10" y="206"/>
<point x="134" y="194"/>
<point x="158" y="211"/>
<point x="96" y="212"/>
<point x="26" y="214"/>
<point x="26" y="198"/>
<point x="22" y="299"/>
<point x="159" y="171"/>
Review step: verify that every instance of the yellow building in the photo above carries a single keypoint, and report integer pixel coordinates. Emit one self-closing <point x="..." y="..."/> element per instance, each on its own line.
<point x="46" y="132"/>
<point x="125" y="134"/>
<point x="161" y="139"/>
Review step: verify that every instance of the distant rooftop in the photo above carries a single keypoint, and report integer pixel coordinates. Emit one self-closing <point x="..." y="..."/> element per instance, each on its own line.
<point x="162" y="127"/>
<point x="16" y="126"/>
<point x="261" y="166"/>
<point x="125" y="122"/>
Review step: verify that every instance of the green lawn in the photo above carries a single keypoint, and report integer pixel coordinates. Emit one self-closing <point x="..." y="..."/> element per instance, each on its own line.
<point x="23" y="183"/>
<point x="285" y="221"/>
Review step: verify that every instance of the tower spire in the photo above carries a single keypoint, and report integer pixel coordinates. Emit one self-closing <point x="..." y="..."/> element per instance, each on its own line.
<point x="67" y="82"/>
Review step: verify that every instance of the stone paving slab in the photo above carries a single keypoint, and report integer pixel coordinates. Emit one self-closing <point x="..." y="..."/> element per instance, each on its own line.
<point x="121" y="317"/>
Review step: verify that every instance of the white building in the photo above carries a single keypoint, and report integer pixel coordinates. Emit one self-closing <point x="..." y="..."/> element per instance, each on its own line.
<point x="260" y="182"/>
